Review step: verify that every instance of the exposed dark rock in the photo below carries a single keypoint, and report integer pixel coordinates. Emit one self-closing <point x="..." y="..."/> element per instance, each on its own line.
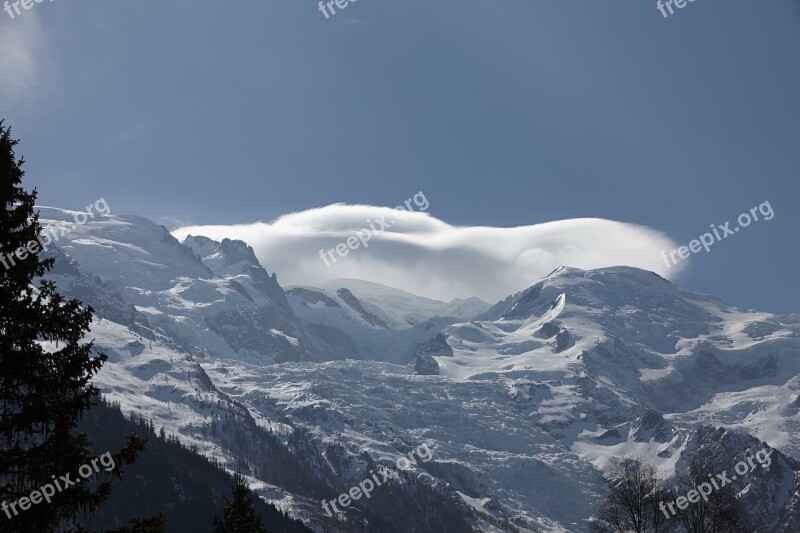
<point x="350" y="299"/>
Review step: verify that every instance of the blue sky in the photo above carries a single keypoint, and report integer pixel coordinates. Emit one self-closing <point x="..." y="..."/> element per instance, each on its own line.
<point x="505" y="114"/>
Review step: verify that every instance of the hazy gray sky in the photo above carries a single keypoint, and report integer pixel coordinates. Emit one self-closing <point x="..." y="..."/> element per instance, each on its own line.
<point x="506" y="113"/>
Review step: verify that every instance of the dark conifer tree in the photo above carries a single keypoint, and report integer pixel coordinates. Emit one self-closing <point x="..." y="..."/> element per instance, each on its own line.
<point x="45" y="373"/>
<point x="240" y="513"/>
<point x="156" y="524"/>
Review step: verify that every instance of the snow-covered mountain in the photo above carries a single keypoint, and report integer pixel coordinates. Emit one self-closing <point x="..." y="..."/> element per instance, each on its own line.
<point x="366" y="320"/>
<point x="524" y="408"/>
<point x="240" y="312"/>
<point x="356" y="329"/>
<point x="400" y="309"/>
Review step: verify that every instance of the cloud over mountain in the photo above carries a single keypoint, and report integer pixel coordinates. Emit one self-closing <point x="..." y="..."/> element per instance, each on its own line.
<point x="424" y="255"/>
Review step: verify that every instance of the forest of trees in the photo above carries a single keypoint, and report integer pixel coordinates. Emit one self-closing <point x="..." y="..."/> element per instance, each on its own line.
<point x="190" y="489"/>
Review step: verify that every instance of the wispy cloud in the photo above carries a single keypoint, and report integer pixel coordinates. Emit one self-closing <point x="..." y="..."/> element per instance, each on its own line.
<point x="23" y="42"/>
<point x="425" y="255"/>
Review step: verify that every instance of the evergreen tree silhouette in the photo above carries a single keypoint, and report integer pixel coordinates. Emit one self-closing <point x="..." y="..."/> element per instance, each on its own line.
<point x="240" y="513"/>
<point x="45" y="375"/>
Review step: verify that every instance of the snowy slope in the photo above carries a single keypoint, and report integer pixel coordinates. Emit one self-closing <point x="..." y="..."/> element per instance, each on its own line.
<point x="199" y="310"/>
<point x="484" y="447"/>
<point x="354" y="329"/>
<point x="539" y="394"/>
<point x="401" y="309"/>
<point x="587" y="366"/>
<point x="645" y="340"/>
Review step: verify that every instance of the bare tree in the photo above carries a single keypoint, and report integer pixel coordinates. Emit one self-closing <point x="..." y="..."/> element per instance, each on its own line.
<point x="631" y="504"/>
<point x="717" y="509"/>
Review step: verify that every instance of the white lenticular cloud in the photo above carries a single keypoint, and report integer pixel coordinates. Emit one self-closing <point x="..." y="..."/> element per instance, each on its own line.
<point x="426" y="256"/>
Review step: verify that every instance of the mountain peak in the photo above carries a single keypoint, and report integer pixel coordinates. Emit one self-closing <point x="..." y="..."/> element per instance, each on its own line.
<point x="237" y="251"/>
<point x="228" y="257"/>
<point x="628" y="272"/>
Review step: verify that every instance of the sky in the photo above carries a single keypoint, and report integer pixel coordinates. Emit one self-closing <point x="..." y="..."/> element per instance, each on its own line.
<point x="509" y="114"/>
